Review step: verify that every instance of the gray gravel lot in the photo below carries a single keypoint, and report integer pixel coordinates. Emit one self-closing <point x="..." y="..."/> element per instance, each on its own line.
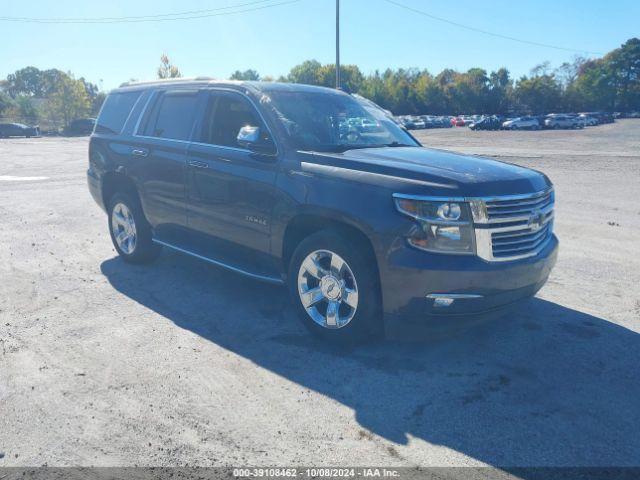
<point x="180" y="363"/>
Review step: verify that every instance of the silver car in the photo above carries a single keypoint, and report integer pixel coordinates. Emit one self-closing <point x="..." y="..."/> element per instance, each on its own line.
<point x="562" y="121"/>
<point x="522" y="123"/>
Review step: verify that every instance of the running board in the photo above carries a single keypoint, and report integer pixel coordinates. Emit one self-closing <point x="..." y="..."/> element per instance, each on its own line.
<point x="256" y="276"/>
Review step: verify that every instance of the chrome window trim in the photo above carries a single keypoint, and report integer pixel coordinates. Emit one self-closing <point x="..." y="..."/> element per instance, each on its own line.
<point x="154" y="93"/>
<point x="136" y="130"/>
<point x="126" y="122"/>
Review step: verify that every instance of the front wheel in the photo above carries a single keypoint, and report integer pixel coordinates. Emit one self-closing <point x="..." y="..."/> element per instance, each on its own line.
<point x="335" y="289"/>
<point x="130" y="232"/>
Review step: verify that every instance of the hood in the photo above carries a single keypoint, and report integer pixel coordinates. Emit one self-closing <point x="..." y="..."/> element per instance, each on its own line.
<point x="427" y="171"/>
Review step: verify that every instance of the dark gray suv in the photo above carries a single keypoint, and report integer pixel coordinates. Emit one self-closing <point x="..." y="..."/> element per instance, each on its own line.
<point x="308" y="186"/>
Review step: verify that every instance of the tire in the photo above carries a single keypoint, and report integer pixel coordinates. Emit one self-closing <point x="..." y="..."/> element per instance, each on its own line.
<point x="127" y="220"/>
<point x="354" y="287"/>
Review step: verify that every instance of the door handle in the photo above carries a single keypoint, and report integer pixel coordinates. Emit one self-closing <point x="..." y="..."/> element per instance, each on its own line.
<point x="139" y="152"/>
<point x="198" y="164"/>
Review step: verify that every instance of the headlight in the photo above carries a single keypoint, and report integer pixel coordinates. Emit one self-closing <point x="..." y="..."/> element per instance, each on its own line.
<point x="442" y="226"/>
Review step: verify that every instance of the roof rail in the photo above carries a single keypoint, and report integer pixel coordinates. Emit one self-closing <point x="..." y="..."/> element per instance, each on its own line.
<point x="165" y="80"/>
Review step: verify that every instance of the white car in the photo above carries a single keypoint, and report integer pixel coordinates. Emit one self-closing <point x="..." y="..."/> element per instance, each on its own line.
<point x="522" y="123"/>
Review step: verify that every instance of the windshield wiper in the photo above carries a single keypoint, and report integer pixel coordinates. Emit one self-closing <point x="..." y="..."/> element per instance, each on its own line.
<point x="398" y="144"/>
<point x="343" y="147"/>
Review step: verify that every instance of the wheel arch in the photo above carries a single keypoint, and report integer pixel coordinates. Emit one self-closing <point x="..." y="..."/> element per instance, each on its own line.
<point x="116" y="181"/>
<point x="305" y="224"/>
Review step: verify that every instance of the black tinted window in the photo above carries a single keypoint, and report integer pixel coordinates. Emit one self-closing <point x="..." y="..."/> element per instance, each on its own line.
<point x="226" y="115"/>
<point x="173" y="116"/>
<point x="115" y="111"/>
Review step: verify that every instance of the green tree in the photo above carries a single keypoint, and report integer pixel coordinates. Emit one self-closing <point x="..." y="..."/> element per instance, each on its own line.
<point x="350" y="77"/>
<point x="623" y="70"/>
<point x="26" y="110"/>
<point x="538" y="94"/>
<point x="500" y="92"/>
<point x="26" y="81"/>
<point x="68" y="100"/>
<point x="6" y="104"/>
<point x="167" y="69"/>
<point x="307" y="73"/>
<point x="250" y="75"/>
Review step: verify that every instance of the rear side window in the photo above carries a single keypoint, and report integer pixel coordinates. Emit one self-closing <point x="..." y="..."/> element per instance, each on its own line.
<point x="115" y="111"/>
<point x="172" y="116"/>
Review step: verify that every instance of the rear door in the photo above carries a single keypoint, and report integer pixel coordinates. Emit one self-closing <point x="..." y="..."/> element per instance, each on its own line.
<point x="231" y="190"/>
<point x="158" y="161"/>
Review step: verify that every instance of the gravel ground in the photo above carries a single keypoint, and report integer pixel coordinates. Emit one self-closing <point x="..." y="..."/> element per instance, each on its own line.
<point x="180" y="363"/>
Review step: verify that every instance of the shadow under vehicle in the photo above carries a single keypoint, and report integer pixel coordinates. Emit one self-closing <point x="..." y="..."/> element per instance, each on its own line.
<point x="545" y="386"/>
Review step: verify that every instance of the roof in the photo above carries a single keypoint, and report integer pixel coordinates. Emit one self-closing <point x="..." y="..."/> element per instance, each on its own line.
<point x="208" y="81"/>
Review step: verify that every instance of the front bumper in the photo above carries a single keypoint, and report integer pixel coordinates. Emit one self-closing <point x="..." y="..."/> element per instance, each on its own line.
<point x="409" y="276"/>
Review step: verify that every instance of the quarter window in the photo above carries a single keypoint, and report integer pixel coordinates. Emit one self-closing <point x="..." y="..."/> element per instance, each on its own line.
<point x="115" y="111"/>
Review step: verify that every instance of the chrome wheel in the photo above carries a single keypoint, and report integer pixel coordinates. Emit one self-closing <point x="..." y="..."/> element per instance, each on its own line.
<point x="327" y="289"/>
<point x="124" y="228"/>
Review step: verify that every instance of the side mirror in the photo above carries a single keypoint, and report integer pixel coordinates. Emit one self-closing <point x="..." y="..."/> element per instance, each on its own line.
<point x="249" y="138"/>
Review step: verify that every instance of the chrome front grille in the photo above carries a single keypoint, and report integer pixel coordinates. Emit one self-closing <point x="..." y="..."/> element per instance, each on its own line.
<point x="517" y="208"/>
<point x="518" y="242"/>
<point x="513" y="227"/>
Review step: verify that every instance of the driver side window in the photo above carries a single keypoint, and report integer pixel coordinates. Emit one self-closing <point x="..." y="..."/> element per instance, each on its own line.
<point x="226" y="114"/>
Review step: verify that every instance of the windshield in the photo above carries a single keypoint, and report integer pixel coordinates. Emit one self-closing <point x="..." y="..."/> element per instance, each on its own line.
<point x="332" y="122"/>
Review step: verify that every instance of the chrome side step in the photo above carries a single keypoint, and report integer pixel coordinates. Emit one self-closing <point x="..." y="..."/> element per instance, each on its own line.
<point x="262" y="278"/>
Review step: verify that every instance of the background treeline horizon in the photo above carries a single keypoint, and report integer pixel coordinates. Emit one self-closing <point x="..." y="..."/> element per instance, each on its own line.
<point x="610" y="83"/>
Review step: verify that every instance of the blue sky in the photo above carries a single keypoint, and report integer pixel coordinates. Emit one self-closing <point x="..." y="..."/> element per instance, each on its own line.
<point x="375" y="35"/>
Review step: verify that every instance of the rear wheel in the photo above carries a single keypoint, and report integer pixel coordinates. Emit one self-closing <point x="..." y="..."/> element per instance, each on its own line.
<point x="334" y="287"/>
<point x="130" y="231"/>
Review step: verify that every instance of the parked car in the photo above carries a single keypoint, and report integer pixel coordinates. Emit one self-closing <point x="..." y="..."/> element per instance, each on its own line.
<point x="458" y="122"/>
<point x="588" y="120"/>
<point x="271" y="190"/>
<point x="18" y="130"/>
<point x="486" y="123"/>
<point x="522" y="123"/>
<point x="557" y="121"/>
<point x="445" y="122"/>
<point x="418" y="123"/>
<point x="603" y="117"/>
<point x="80" y="126"/>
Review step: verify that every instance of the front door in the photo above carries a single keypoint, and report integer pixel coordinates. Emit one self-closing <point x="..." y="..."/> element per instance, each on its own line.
<point x="231" y="190"/>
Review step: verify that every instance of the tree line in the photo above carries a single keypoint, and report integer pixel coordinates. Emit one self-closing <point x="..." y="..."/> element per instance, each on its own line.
<point x="31" y="95"/>
<point x="610" y="83"/>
